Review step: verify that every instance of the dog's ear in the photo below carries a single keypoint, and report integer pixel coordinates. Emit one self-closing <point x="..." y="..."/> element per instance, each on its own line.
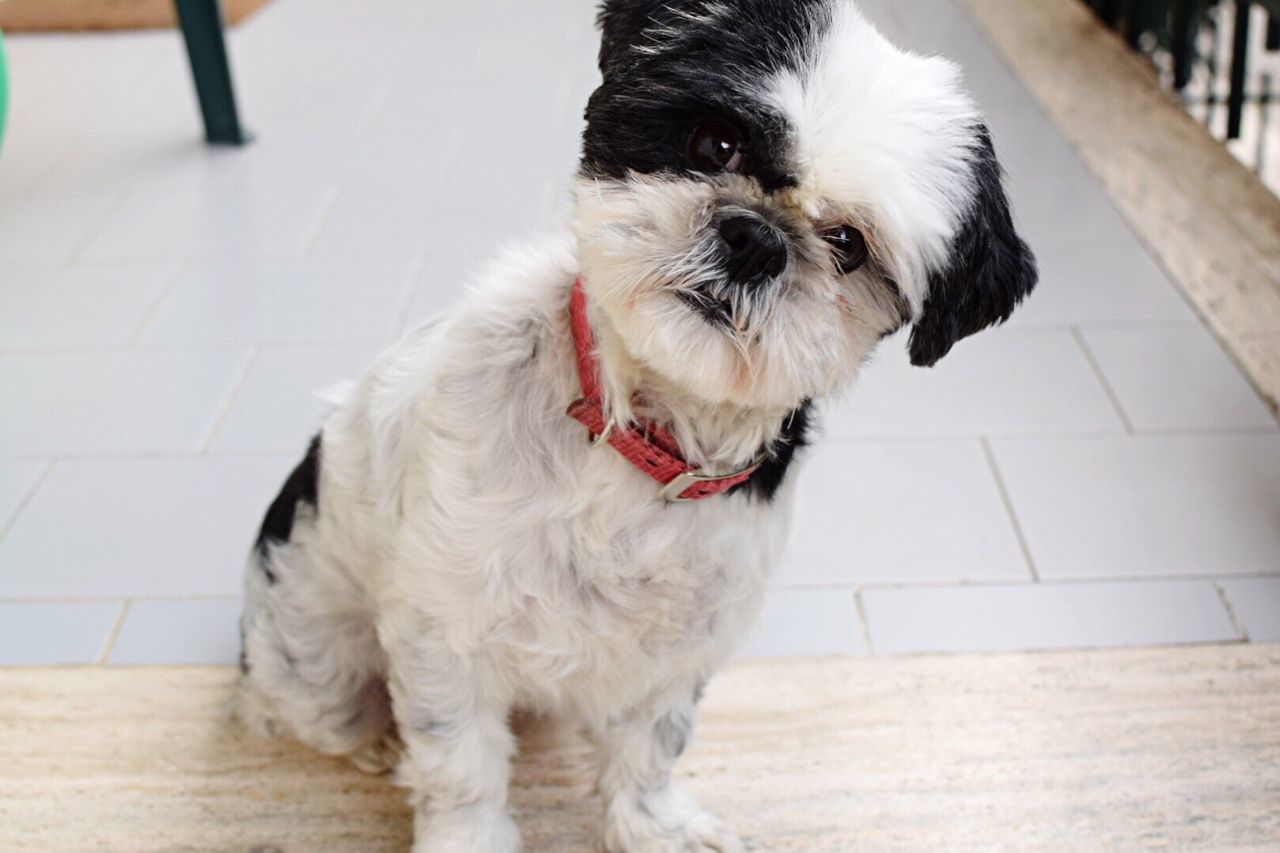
<point x="621" y="24"/>
<point x="989" y="270"/>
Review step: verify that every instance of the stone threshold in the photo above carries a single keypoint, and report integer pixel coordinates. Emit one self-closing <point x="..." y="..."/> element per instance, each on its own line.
<point x="1175" y="748"/>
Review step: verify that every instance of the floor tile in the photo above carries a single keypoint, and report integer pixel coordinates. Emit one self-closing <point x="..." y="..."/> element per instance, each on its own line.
<point x="528" y="103"/>
<point x="314" y="86"/>
<point x="1108" y="281"/>
<point x="77" y="305"/>
<point x="116" y="402"/>
<point x="103" y="84"/>
<point x="43" y="61"/>
<point x="293" y="153"/>
<point x="1065" y="205"/>
<point x="53" y="634"/>
<point x="279" y="405"/>
<point x="179" y="633"/>
<point x="1044" y="616"/>
<point x="442" y="286"/>
<point x="50" y="228"/>
<point x="28" y="157"/>
<point x="405" y="148"/>
<point x="1256" y="602"/>
<point x="209" y="220"/>
<point x="1146" y="505"/>
<point x="372" y="219"/>
<point x="118" y="163"/>
<point x="900" y="512"/>
<point x="1176" y="378"/>
<point x="1030" y="149"/>
<point x="929" y="27"/>
<point x="376" y="23"/>
<point x="17" y="479"/>
<point x="999" y="382"/>
<point x="243" y="301"/>
<point x="806" y="623"/>
<point x="140" y="527"/>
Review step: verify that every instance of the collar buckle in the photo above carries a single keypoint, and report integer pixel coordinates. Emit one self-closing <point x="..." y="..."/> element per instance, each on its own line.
<point x="672" y="492"/>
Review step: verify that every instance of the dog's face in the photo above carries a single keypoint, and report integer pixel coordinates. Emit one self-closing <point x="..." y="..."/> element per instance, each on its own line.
<point x="769" y="188"/>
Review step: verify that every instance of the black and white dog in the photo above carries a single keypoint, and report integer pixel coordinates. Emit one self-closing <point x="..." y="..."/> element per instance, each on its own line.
<point x="567" y="496"/>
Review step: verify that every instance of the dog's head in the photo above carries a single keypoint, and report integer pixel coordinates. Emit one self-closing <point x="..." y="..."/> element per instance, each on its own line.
<point x="769" y="188"/>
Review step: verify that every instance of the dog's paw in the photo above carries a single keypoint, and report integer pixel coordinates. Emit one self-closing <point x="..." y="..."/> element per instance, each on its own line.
<point x="379" y="757"/>
<point x="666" y="825"/>
<point x="466" y="830"/>
<point x="704" y="833"/>
<point x="252" y="710"/>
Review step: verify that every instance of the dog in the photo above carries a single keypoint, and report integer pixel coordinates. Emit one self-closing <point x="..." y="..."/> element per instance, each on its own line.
<point x="567" y="495"/>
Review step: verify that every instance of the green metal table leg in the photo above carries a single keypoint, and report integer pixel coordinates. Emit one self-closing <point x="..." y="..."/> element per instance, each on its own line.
<point x="202" y="28"/>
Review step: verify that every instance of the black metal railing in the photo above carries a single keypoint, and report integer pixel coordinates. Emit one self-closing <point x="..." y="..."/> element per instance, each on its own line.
<point x="1213" y="54"/>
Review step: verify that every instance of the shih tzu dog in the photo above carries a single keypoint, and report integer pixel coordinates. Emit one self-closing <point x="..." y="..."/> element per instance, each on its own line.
<point x="567" y="496"/>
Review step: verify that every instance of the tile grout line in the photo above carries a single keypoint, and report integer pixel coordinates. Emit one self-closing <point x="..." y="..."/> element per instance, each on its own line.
<point x="182" y="268"/>
<point x="377" y="100"/>
<point x="863" y="625"/>
<point x="138" y="455"/>
<point x="417" y="274"/>
<point x="77" y="253"/>
<point x="316" y="227"/>
<point x="1242" y="630"/>
<point x="855" y="588"/>
<point x="27" y="498"/>
<point x="109" y="646"/>
<point x="45" y="177"/>
<point x="174" y="598"/>
<point x="1048" y="435"/>
<point x="1007" y="500"/>
<point x="1098" y="374"/>
<point x="961" y="583"/>
<point x="229" y="399"/>
<point x="183" y="347"/>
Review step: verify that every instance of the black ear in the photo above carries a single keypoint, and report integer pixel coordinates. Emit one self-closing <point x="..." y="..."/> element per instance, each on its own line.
<point x="622" y="22"/>
<point x="990" y="269"/>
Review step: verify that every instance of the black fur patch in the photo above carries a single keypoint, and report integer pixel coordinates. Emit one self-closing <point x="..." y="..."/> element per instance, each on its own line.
<point x="764" y="484"/>
<point x="670" y="65"/>
<point x="301" y="488"/>
<point x="990" y="270"/>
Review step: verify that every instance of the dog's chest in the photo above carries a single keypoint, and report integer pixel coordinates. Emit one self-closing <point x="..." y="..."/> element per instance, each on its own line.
<point x="634" y="597"/>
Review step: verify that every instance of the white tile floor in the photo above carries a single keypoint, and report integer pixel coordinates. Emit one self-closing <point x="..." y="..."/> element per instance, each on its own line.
<point x="1098" y="473"/>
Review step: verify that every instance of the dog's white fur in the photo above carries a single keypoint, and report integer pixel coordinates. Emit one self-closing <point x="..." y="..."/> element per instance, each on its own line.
<point x="472" y="553"/>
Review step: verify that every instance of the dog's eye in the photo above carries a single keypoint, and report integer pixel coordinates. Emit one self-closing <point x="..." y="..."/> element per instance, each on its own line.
<point x="715" y="147"/>
<point x="849" y="245"/>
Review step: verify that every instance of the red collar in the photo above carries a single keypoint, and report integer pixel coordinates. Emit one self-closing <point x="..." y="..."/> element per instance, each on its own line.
<point x="648" y="447"/>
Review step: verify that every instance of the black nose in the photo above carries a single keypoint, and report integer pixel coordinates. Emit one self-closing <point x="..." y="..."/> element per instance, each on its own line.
<point x="753" y="249"/>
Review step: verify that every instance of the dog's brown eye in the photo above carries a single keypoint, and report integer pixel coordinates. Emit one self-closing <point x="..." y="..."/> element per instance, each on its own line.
<point x="714" y="148"/>
<point x="849" y="245"/>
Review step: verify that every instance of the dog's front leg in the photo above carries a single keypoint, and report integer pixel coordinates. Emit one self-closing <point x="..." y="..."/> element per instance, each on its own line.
<point x="645" y="811"/>
<point x="458" y="748"/>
